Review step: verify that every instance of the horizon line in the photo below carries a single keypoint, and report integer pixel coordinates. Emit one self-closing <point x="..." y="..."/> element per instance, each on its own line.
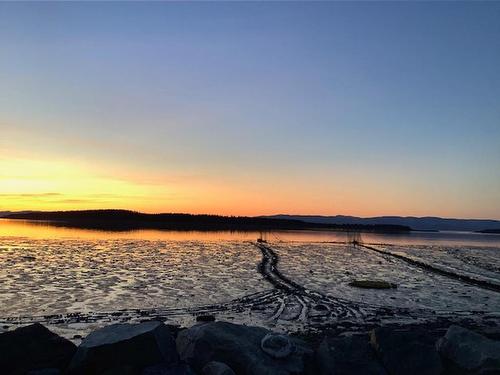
<point x="268" y="215"/>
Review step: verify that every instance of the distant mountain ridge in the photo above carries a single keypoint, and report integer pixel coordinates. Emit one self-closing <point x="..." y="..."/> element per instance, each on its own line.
<point x="416" y="223"/>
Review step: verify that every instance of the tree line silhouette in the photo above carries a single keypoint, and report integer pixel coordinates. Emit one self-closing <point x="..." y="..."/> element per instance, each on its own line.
<point x="127" y="220"/>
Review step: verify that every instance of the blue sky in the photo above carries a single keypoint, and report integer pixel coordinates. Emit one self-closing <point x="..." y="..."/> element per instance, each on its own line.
<point x="248" y="108"/>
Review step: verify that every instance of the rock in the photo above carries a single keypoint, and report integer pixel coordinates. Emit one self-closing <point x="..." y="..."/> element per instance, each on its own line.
<point x="406" y="351"/>
<point x="205" y="318"/>
<point x="469" y="352"/>
<point x="45" y="371"/>
<point x="217" y="368"/>
<point x="372" y="284"/>
<point x="277" y="346"/>
<point x="165" y="369"/>
<point x="120" y="370"/>
<point x="33" y="347"/>
<point x="133" y="346"/>
<point x="347" y="355"/>
<point x="238" y="346"/>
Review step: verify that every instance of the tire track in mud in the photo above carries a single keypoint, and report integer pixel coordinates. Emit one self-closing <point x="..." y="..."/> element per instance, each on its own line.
<point x="438" y="271"/>
<point x="301" y="304"/>
<point x="288" y="301"/>
<point x="247" y="302"/>
<point x="268" y="267"/>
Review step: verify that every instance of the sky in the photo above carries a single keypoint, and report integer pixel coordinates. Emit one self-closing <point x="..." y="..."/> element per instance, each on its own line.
<point x="354" y="108"/>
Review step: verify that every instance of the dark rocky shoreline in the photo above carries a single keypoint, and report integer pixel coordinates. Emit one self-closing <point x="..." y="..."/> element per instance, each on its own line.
<point x="222" y="348"/>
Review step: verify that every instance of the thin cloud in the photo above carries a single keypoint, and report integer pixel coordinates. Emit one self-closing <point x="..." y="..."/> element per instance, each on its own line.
<point x="74" y="200"/>
<point x="29" y="195"/>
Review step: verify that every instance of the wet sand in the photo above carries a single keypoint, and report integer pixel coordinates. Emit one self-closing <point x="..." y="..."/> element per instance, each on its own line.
<point x="76" y="286"/>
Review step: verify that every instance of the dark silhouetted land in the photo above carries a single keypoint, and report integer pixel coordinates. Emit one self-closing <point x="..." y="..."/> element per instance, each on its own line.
<point x="427" y="223"/>
<point x="128" y="220"/>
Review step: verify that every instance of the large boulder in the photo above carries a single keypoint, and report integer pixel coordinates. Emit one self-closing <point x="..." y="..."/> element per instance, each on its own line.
<point x="45" y="371"/>
<point x="347" y="355"/>
<point x="129" y="347"/>
<point x="409" y="351"/>
<point x="277" y="346"/>
<point x="239" y="347"/>
<point x="168" y="369"/>
<point x="217" y="368"/>
<point x="469" y="352"/>
<point x="33" y="348"/>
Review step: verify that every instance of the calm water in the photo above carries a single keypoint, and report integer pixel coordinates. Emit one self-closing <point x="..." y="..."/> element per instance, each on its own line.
<point x="43" y="230"/>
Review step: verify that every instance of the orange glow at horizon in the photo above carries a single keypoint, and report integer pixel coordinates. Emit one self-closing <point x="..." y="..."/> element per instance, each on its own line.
<point x="59" y="185"/>
<point x="50" y="185"/>
<point x="27" y="184"/>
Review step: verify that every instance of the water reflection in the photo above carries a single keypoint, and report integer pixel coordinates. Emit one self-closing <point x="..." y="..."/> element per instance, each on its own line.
<point x="41" y="229"/>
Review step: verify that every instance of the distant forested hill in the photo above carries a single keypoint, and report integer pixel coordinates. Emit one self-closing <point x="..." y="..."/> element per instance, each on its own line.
<point x="124" y="220"/>
<point x="416" y="223"/>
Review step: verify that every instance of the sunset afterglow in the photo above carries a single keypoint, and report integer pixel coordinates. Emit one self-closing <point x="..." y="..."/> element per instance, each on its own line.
<point x="249" y="109"/>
